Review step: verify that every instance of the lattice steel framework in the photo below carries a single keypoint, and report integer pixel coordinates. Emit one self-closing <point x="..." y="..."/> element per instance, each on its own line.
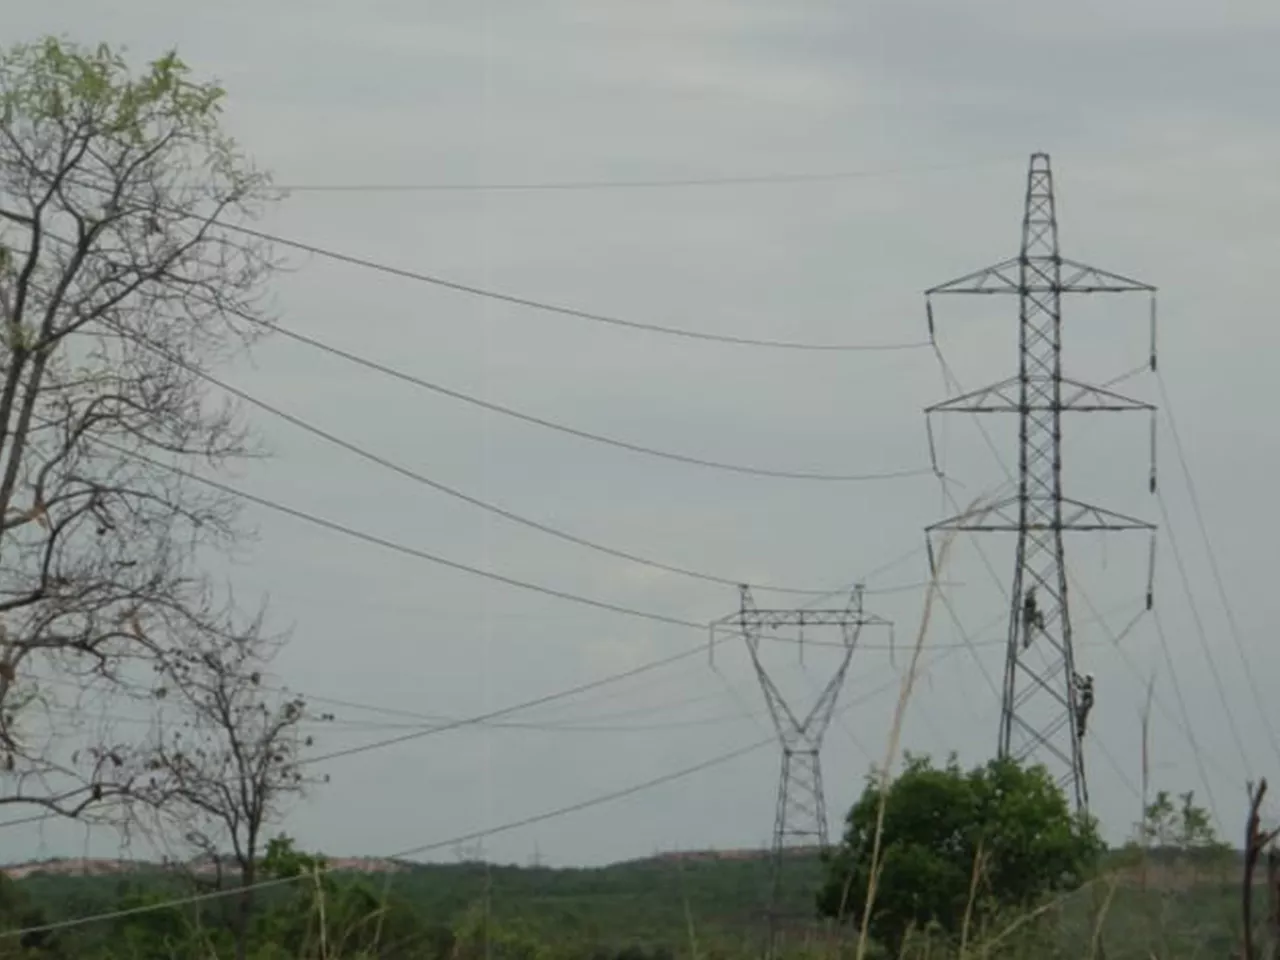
<point x="800" y="818"/>
<point x="1041" y="700"/>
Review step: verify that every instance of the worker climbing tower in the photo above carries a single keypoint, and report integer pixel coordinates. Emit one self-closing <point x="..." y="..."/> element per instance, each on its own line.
<point x="1045" y="700"/>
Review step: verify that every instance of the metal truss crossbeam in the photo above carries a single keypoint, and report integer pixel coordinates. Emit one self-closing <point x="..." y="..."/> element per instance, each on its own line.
<point x="1046" y="276"/>
<point x="1005" y="397"/>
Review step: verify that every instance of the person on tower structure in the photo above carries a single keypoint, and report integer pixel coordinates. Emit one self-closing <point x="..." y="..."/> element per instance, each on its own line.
<point x="1032" y="618"/>
<point x="1084" y="701"/>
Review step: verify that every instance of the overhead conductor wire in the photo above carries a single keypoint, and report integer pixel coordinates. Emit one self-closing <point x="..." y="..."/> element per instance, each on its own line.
<point x="1232" y="626"/>
<point x="417" y="381"/>
<point x="722" y="180"/>
<point x="543" y="306"/>
<point x="422" y="383"/>
<point x="421" y="478"/>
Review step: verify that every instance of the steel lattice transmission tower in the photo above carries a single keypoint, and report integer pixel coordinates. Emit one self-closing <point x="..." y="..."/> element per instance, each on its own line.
<point x="1043" y="696"/>
<point x="800" y="818"/>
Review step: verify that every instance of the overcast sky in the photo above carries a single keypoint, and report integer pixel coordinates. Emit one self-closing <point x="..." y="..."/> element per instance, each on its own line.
<point x="1162" y="125"/>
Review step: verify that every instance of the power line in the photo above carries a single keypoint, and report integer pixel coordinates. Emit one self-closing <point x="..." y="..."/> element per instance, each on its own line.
<point x="548" y="307"/>
<point x="401" y="548"/>
<point x="1184" y="725"/>
<point x="884" y="567"/>
<point x="781" y="178"/>
<point x="1232" y="625"/>
<point x="591" y="723"/>
<point x="443" y="728"/>
<point x="529" y="704"/>
<point x="381" y="726"/>
<point x="433" y="723"/>
<point x="1200" y="632"/>
<point x="421" y="478"/>
<point x="492" y="714"/>
<point x="417" y="381"/>
<point x="544" y="305"/>
<point x="405" y="549"/>
<point x="562" y="723"/>
<point x="764" y="179"/>
<point x="652" y="183"/>
<point x="1189" y="730"/>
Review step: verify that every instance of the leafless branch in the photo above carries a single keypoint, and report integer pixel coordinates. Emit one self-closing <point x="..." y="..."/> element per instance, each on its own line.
<point x="110" y="265"/>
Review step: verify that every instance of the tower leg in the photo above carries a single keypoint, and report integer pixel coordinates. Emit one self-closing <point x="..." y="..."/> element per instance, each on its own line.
<point x="773" y="904"/>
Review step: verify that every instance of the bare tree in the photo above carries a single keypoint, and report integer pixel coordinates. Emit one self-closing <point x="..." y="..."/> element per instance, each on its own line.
<point x="115" y="186"/>
<point x="227" y="759"/>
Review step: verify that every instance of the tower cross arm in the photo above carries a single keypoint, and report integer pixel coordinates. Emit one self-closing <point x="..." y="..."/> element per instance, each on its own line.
<point x="1082" y="278"/>
<point x="1087" y="517"/>
<point x="1000" y="277"/>
<point x="1086" y="398"/>
<point x="998" y="397"/>
<point x="1006" y="397"/>
<point x="1004" y="517"/>
<point x="1074" y="277"/>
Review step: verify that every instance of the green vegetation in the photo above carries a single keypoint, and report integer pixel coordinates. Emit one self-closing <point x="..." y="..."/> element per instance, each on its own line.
<point x="1178" y="900"/>
<point x="958" y="849"/>
<point x="656" y="908"/>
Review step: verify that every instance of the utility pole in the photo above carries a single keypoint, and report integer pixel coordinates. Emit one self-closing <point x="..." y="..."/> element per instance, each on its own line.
<point x="800" y="818"/>
<point x="1045" y="702"/>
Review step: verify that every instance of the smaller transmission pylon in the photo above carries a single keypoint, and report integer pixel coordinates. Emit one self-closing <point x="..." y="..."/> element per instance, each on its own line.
<point x="800" y="819"/>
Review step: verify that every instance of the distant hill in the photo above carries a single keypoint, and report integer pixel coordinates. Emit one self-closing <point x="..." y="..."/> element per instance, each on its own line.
<point x="635" y="902"/>
<point x="87" y="867"/>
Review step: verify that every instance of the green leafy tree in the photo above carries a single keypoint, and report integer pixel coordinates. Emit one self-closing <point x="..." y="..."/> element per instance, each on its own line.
<point x="956" y="844"/>
<point x="1184" y="826"/>
<point x="1178" y="832"/>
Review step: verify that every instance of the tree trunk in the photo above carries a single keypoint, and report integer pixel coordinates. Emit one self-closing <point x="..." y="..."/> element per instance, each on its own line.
<point x="1273" y="897"/>
<point x="244" y="908"/>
